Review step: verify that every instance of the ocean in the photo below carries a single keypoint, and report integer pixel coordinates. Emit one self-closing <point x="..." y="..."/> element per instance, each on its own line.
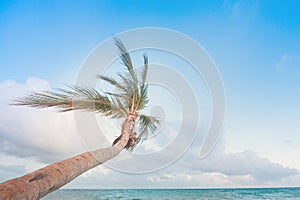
<point x="175" y="194"/>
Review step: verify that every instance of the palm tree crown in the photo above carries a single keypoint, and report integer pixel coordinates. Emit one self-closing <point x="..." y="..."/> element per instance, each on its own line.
<point x="129" y="96"/>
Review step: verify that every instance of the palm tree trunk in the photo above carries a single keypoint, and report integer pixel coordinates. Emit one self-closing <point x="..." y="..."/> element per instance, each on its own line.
<point x="43" y="181"/>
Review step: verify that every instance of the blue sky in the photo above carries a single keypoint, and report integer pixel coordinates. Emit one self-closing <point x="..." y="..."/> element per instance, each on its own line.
<point x="255" y="45"/>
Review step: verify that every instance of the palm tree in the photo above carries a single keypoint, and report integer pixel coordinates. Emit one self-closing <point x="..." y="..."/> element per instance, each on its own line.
<point x="128" y="98"/>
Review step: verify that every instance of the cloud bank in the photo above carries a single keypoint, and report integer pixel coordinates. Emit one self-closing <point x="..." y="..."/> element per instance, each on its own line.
<point x="45" y="134"/>
<point x="246" y="163"/>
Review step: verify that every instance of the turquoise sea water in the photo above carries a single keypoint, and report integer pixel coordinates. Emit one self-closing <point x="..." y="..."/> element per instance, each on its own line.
<point x="176" y="194"/>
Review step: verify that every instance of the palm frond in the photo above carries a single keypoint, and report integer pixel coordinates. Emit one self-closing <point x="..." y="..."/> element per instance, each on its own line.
<point x="148" y="124"/>
<point x="133" y="92"/>
<point x="130" y="89"/>
<point x="43" y="100"/>
<point x="143" y="98"/>
<point x="115" y="95"/>
<point x="112" y="81"/>
<point x="118" y="108"/>
<point x="127" y="83"/>
<point x="125" y="57"/>
<point x="145" y="70"/>
<point x="143" y="88"/>
<point x="74" y="98"/>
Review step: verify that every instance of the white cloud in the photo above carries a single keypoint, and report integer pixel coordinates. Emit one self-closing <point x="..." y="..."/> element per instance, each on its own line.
<point x="242" y="11"/>
<point x="284" y="63"/>
<point x="170" y="177"/>
<point x="247" y="163"/>
<point x="45" y="134"/>
<point x="166" y="178"/>
<point x="98" y="170"/>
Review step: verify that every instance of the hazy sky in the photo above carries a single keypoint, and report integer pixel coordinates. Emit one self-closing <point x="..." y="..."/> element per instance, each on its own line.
<point x="255" y="45"/>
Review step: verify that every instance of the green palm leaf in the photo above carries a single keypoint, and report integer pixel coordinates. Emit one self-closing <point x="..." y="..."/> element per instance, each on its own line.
<point x="148" y="125"/>
<point x="125" y="57"/>
<point x="112" y="82"/>
<point x="74" y="98"/>
<point x="145" y="70"/>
